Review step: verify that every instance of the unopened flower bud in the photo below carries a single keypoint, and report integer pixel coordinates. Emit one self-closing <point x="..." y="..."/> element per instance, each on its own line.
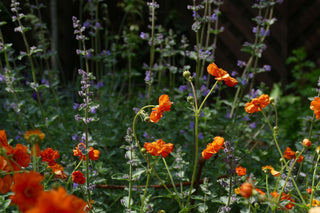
<point x="186" y="74"/>
<point x="276" y="129"/>
<point x="143" y="150"/>
<point x="190" y="99"/>
<point x="318" y="150"/>
<point x="162" y="211"/>
<point x="271" y="100"/>
<point x="306" y="142"/>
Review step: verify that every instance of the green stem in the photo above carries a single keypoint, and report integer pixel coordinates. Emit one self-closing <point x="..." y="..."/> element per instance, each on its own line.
<point x="145" y="192"/>
<point x="172" y="182"/>
<point x="313" y="180"/>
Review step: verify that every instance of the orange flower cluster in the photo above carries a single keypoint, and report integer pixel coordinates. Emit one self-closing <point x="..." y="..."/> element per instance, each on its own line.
<point x="241" y="171"/>
<point x="289" y="154"/>
<point x="164" y="105"/>
<point x="78" y="177"/>
<point x="81" y="149"/>
<point x="246" y="190"/>
<point x="284" y="196"/>
<point x="58" y="201"/>
<point x="213" y="148"/>
<point x="221" y="75"/>
<point x="257" y="104"/>
<point x="159" y="148"/>
<point x="270" y="169"/>
<point x="30" y="197"/>
<point x="315" y="106"/>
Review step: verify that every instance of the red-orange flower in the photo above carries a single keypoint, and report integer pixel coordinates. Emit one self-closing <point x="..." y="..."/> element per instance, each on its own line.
<point x="4" y="141"/>
<point x="164" y="105"/>
<point x="78" y="151"/>
<point x="5" y="184"/>
<point x="159" y="148"/>
<point x="93" y="153"/>
<point x="284" y="196"/>
<point x="289" y="154"/>
<point x="306" y="142"/>
<point x="78" y="177"/>
<point x="49" y="155"/>
<point x="315" y="106"/>
<point x="58" y="201"/>
<point x="20" y="157"/>
<point x="221" y="75"/>
<point x="57" y="169"/>
<point x="257" y="104"/>
<point x="27" y="188"/>
<point x="4" y="164"/>
<point x="213" y="148"/>
<point x="246" y="189"/>
<point x="241" y="171"/>
<point x="260" y="191"/>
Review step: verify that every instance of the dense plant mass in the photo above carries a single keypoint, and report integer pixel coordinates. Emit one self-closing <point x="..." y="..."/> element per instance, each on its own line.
<point x="188" y="136"/>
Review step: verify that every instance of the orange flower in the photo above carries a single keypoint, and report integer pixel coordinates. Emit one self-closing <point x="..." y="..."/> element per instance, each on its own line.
<point x="4" y="164"/>
<point x="289" y="154"/>
<point x="57" y="169"/>
<point x="270" y="169"/>
<point x="306" y="142"/>
<point x="27" y="188"/>
<point x="257" y="104"/>
<point x="164" y="105"/>
<point x="221" y="75"/>
<point x="260" y="191"/>
<point x="213" y="148"/>
<point x="5" y="184"/>
<point x="241" y="171"/>
<point x="4" y="141"/>
<point x="78" y="151"/>
<point x="20" y="156"/>
<point x="78" y="177"/>
<point x="237" y="190"/>
<point x="35" y="135"/>
<point x="48" y="155"/>
<point x="93" y="154"/>
<point x="309" y="190"/>
<point x="58" y="201"/>
<point x="315" y="106"/>
<point x="246" y="189"/>
<point x="284" y="196"/>
<point x="159" y="148"/>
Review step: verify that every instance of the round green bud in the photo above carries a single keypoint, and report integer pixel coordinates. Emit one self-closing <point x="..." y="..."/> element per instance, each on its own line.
<point x="190" y="99"/>
<point x="186" y="74"/>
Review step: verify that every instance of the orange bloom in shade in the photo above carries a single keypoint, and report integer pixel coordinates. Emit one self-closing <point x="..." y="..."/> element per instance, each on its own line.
<point x="213" y="148"/>
<point x="27" y="189"/>
<point x="309" y="190"/>
<point x="93" y="153"/>
<point x="3" y="164"/>
<point x="78" y="177"/>
<point x="257" y="104"/>
<point x="270" y="169"/>
<point x="246" y="189"/>
<point x="241" y="171"/>
<point x="78" y="151"/>
<point x="5" y="184"/>
<point x="20" y="156"/>
<point x="300" y="159"/>
<point x="34" y="133"/>
<point x="315" y="106"/>
<point x="57" y="169"/>
<point x="49" y="155"/>
<point x="221" y="75"/>
<point x="159" y="148"/>
<point x="58" y="201"/>
<point x="164" y="105"/>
